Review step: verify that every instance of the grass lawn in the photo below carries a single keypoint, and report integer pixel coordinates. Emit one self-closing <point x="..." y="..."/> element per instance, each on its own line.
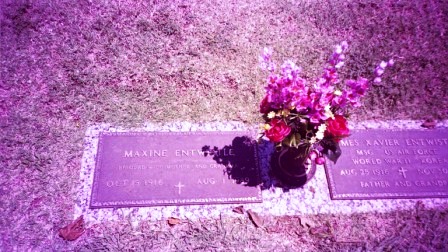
<point x="66" y="65"/>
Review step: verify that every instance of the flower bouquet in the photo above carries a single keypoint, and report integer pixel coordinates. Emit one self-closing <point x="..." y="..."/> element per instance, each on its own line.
<point x="307" y="119"/>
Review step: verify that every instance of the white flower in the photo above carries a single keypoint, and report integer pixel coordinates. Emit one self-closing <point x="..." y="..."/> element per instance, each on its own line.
<point x="344" y="45"/>
<point x="322" y="127"/>
<point x="377" y="80"/>
<point x="391" y="62"/>
<point x="339" y="65"/>
<point x="379" y="71"/>
<point x="271" y="114"/>
<point x="383" y="64"/>
<point x="328" y="112"/>
<point x="337" y="92"/>
<point x="338" y="49"/>
<point x="267" y="53"/>
<point x="320" y="135"/>
<point x="313" y="140"/>
<point x="320" y="131"/>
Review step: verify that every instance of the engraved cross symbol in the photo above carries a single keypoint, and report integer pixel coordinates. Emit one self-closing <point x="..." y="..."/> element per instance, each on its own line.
<point x="179" y="186"/>
<point x="402" y="172"/>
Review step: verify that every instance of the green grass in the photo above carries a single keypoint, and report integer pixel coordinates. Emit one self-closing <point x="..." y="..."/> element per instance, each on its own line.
<point x="417" y="229"/>
<point x="68" y="64"/>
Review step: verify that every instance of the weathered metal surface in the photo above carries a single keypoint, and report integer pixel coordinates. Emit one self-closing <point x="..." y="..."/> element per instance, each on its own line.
<point x="379" y="164"/>
<point x="175" y="168"/>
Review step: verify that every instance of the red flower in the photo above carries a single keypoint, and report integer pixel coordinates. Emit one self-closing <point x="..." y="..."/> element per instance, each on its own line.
<point x="278" y="131"/>
<point x="337" y="127"/>
<point x="264" y="106"/>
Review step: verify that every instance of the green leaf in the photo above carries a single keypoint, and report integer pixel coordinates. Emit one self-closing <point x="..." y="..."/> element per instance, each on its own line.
<point x="287" y="141"/>
<point x="297" y="138"/>
<point x="294" y="139"/>
<point x="278" y="146"/>
<point x="331" y="150"/>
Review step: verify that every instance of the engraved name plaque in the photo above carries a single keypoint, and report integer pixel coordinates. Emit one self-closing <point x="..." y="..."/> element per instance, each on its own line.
<point x="175" y="168"/>
<point x="379" y="164"/>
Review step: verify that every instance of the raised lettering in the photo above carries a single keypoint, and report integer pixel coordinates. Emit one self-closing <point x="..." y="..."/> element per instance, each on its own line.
<point x="117" y="183"/>
<point x="376" y="184"/>
<point x="153" y="182"/>
<point x="127" y="153"/>
<point x="440" y="183"/>
<point x="380" y="172"/>
<point x="144" y="153"/>
<point x="425" y="152"/>
<point x="366" y="161"/>
<point x="403" y="183"/>
<point x="349" y="142"/>
<point x="382" y="142"/>
<point x="423" y="142"/>
<point x="434" y="161"/>
<point x="348" y="172"/>
<point x="425" y="171"/>
<point x="206" y="181"/>
<point x="397" y="161"/>
<point x="364" y="152"/>
<point x="403" y="152"/>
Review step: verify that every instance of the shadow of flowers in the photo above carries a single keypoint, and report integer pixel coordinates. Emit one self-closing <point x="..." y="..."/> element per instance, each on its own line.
<point x="240" y="160"/>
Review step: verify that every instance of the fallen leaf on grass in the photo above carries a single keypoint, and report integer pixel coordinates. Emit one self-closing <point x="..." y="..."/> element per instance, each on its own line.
<point x="430" y="124"/>
<point x="238" y="210"/>
<point x="173" y="221"/>
<point x="306" y="222"/>
<point x="73" y="230"/>
<point x="253" y="216"/>
<point x="322" y="231"/>
<point x="284" y="224"/>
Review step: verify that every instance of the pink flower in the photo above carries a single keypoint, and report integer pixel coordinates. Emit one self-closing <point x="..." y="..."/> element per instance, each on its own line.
<point x="266" y="61"/>
<point x="264" y="105"/>
<point x="357" y="89"/>
<point x="340" y="100"/>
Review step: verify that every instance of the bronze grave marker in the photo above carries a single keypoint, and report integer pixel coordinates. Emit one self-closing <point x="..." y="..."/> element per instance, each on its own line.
<point x="175" y="168"/>
<point x="379" y="164"/>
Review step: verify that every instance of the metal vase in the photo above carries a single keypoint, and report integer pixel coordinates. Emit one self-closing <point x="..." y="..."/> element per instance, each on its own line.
<point x="290" y="166"/>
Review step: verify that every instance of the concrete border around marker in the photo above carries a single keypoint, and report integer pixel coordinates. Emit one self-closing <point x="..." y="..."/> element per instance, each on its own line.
<point x="313" y="198"/>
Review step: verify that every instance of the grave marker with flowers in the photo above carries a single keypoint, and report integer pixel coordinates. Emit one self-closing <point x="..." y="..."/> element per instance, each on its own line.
<point x="306" y="119"/>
